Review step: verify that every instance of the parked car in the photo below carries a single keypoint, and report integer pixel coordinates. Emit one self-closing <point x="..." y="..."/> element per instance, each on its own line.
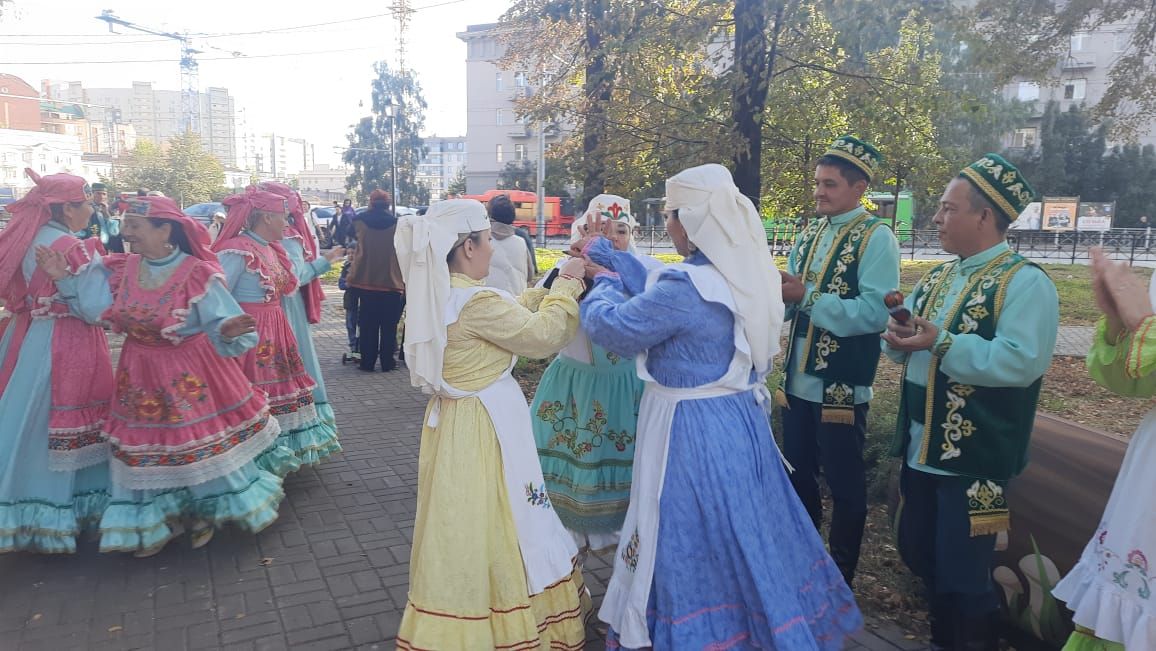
<point x="323" y="220"/>
<point x="204" y="212"/>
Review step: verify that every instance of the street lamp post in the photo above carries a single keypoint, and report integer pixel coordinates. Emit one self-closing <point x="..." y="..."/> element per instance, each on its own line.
<point x="389" y="113"/>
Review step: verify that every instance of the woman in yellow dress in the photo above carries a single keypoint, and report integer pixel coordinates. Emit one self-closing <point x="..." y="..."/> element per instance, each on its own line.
<point x="492" y="567"/>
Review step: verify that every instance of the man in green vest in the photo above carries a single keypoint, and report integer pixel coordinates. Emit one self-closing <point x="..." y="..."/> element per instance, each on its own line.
<point x="975" y="350"/>
<point x="841" y="267"/>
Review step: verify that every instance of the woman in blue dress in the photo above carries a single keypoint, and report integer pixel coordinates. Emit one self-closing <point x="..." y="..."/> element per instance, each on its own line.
<point x="717" y="551"/>
<point x="585" y="411"/>
<point x="55" y="378"/>
<point x="303" y="307"/>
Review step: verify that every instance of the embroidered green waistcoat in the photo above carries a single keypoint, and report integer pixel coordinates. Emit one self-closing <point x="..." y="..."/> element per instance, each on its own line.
<point x="841" y="362"/>
<point x="969" y="430"/>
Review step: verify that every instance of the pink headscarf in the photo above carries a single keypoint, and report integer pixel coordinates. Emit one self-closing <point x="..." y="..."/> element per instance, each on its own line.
<point x="241" y="206"/>
<point x="167" y="209"/>
<point x="28" y="215"/>
<point x="311" y="294"/>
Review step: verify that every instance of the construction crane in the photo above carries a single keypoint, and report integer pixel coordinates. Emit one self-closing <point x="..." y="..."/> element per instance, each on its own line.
<point x="190" y="83"/>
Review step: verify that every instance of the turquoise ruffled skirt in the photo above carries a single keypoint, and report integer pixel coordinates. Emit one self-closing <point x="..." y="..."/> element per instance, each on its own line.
<point x="585" y="418"/>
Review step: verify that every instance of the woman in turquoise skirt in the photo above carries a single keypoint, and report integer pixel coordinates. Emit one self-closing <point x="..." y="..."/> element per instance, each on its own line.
<point x="584" y="414"/>
<point x="55" y="378"/>
<point x="303" y="307"/>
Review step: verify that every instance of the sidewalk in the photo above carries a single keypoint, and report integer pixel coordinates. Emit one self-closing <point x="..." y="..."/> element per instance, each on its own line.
<point x="331" y="573"/>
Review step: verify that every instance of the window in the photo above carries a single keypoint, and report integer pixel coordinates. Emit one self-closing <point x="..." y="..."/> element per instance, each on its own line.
<point x="498" y="81"/>
<point x="1075" y="88"/>
<point x="1123" y="41"/>
<point x="1024" y="138"/>
<point x="1079" y="41"/>
<point x="520" y="79"/>
<point x="519" y="152"/>
<point x="499" y="154"/>
<point x="498" y="119"/>
<point x="1028" y="91"/>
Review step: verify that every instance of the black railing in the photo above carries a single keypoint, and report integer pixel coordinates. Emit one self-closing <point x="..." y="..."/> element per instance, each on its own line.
<point x="1135" y="245"/>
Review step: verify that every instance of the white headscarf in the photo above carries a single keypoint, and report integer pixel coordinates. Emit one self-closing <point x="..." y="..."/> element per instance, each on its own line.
<point x="604" y="203"/>
<point x="422" y="244"/>
<point x="725" y="226"/>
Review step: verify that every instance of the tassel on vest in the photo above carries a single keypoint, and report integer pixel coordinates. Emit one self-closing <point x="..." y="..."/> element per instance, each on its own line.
<point x="838" y="415"/>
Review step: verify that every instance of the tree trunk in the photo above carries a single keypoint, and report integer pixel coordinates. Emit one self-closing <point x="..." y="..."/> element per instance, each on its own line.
<point x="754" y="65"/>
<point x="597" y="91"/>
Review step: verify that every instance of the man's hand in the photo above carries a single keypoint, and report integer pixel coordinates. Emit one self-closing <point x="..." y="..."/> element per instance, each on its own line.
<point x="919" y="334"/>
<point x="238" y="325"/>
<point x="793" y="288"/>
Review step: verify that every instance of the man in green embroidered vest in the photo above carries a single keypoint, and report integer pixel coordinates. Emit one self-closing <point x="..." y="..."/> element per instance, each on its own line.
<point x="838" y="273"/>
<point x="975" y="351"/>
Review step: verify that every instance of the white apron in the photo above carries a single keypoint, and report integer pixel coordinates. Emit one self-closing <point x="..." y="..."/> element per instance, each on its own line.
<point x="627" y="596"/>
<point x="547" y="549"/>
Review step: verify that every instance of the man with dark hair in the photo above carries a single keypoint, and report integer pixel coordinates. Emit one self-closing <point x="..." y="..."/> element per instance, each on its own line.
<point x="512" y="265"/>
<point x="975" y="349"/>
<point x="101" y="225"/>
<point x="841" y="267"/>
<point x="375" y="277"/>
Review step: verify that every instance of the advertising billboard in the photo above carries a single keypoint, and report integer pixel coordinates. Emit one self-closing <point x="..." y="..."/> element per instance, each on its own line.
<point x="1059" y="213"/>
<point x="1096" y="215"/>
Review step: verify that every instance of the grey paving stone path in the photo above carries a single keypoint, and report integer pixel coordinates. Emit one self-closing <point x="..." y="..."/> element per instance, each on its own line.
<point x="331" y="573"/>
<point x="1075" y="341"/>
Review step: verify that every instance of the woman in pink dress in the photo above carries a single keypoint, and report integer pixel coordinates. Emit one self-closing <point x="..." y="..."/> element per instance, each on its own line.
<point x="55" y="378"/>
<point x="186" y="426"/>
<point x="258" y="273"/>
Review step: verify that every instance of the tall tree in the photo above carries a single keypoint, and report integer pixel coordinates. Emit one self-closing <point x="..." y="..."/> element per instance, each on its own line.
<point x="750" y="81"/>
<point x="183" y="170"/>
<point x="369" y="152"/>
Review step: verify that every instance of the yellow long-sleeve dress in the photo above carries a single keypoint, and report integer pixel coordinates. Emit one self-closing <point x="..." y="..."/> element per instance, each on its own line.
<point x="468" y="587"/>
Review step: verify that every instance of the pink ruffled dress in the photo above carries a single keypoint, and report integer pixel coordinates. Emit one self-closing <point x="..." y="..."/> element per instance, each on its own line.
<point x="259" y="274"/>
<point x="55" y="386"/>
<point x="185" y="426"/>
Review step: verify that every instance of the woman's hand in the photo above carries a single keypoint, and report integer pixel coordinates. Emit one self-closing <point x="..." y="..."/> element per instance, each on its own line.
<point x="335" y="253"/>
<point x="1129" y="294"/>
<point x="1104" y="300"/>
<point x="51" y="262"/>
<point x="575" y="267"/>
<point x="238" y="325"/>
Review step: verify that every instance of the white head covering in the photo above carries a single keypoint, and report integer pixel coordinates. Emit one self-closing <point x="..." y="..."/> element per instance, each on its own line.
<point x="1152" y="292"/>
<point x="725" y="226"/>
<point x="611" y="206"/>
<point x="422" y="244"/>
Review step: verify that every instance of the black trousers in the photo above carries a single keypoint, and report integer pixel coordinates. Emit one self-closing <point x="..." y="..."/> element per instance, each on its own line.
<point x="377" y="320"/>
<point x="935" y="541"/>
<point x="835" y="450"/>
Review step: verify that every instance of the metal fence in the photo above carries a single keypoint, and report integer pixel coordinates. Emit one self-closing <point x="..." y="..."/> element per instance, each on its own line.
<point x="1134" y="246"/>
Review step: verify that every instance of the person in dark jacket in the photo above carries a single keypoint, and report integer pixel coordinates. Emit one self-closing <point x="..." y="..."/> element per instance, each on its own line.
<point x="101" y="225"/>
<point x="343" y="224"/>
<point x="376" y="276"/>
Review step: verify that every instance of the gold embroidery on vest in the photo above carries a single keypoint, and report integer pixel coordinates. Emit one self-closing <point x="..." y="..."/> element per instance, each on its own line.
<point x="823" y="350"/>
<point x="940" y="299"/>
<point x="956" y="427"/>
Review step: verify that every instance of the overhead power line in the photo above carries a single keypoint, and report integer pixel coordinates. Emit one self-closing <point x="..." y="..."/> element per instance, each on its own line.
<point x="228" y="58"/>
<point x="216" y="35"/>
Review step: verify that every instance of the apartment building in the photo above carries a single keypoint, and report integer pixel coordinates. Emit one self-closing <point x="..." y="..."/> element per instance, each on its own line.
<point x="155" y="115"/>
<point x="1081" y="77"/>
<point x="444" y="159"/>
<point x="495" y="135"/>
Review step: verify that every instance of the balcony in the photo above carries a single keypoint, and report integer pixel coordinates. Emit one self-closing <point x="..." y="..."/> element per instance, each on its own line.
<point x="1078" y="61"/>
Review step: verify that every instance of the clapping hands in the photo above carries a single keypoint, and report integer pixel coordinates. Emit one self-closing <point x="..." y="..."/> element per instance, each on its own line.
<point x="1120" y="294"/>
